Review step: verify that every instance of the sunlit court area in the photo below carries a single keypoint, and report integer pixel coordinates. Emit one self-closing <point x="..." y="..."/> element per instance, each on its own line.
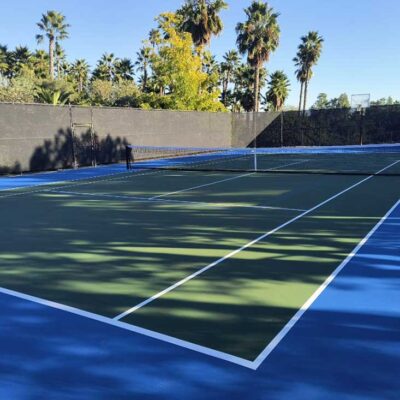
<point x="186" y="223"/>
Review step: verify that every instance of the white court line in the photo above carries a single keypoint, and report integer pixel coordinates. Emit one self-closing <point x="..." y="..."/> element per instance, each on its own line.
<point x="254" y="365"/>
<point x="201" y="186"/>
<point x="93" y="180"/>
<point x="233" y="253"/>
<point x="226" y="180"/>
<point x="286" y="165"/>
<point x="57" y="182"/>
<point x="142" y="331"/>
<point x="178" y="342"/>
<point x="158" y="200"/>
<point x="49" y="187"/>
<point x="279" y="337"/>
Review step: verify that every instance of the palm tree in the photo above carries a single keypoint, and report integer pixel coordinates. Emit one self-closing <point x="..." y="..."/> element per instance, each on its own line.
<point x="142" y="63"/>
<point x="53" y="96"/>
<point x="80" y="71"/>
<point x="40" y="64"/>
<point x="124" y="69"/>
<point x="210" y="65"/>
<point x="278" y="90"/>
<point x="154" y="37"/>
<point x="244" y="86"/>
<point x="201" y="19"/>
<point x="18" y="58"/>
<point x="258" y="37"/>
<point x="106" y="67"/>
<point x="309" y="52"/>
<point x="228" y="68"/>
<point x="300" y="75"/>
<point x="60" y="59"/>
<point x="55" y="29"/>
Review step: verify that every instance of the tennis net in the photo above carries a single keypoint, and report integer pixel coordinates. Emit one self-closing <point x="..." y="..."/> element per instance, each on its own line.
<point x="344" y="160"/>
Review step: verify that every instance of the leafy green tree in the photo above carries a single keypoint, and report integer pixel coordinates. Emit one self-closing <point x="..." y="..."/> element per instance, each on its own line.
<point x="121" y="93"/>
<point x="385" y="102"/>
<point x="343" y="101"/>
<point x="258" y="37"/>
<point x="228" y="69"/>
<point x="322" y="102"/>
<point x="54" y="27"/>
<point x="126" y="94"/>
<point x="21" y="89"/>
<point x="278" y="90"/>
<point x="80" y="72"/>
<point x="338" y="102"/>
<point x="201" y="19"/>
<point x="309" y="52"/>
<point x="181" y="69"/>
<point x="101" y="92"/>
<point x="143" y="62"/>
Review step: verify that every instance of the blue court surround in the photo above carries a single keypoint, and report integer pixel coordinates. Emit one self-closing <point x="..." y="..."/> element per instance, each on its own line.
<point x="45" y="178"/>
<point x="346" y="346"/>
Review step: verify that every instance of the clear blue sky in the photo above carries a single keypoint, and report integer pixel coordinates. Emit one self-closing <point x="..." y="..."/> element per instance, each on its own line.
<point x="362" y="37"/>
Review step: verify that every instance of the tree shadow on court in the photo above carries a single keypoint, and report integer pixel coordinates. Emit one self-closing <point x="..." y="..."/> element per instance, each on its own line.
<point x="84" y="148"/>
<point x="106" y="255"/>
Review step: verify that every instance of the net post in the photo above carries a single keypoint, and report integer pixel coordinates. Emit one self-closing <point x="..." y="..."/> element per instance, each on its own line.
<point x="255" y="166"/>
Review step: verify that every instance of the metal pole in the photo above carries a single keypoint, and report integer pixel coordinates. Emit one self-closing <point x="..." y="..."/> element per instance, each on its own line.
<point x="94" y="160"/>
<point x="255" y="142"/>
<point x="74" y="160"/>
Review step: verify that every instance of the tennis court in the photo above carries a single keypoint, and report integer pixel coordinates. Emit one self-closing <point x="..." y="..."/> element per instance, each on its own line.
<point x="221" y="263"/>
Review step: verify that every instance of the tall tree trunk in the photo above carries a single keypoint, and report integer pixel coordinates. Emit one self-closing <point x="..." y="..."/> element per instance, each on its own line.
<point x="301" y="95"/>
<point x="257" y="87"/>
<point x="144" y="79"/>
<point x="51" y="57"/>
<point x="305" y="96"/>
<point x="224" y="90"/>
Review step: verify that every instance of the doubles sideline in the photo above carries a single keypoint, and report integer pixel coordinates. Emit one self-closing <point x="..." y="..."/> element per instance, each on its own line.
<point x="249" y="244"/>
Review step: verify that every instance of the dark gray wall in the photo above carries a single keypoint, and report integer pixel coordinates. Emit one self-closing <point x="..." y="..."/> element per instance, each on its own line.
<point x="247" y="127"/>
<point x="25" y="129"/>
<point x="38" y="137"/>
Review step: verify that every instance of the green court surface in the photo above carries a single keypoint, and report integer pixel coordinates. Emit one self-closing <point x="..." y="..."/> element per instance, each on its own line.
<point x="109" y="244"/>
